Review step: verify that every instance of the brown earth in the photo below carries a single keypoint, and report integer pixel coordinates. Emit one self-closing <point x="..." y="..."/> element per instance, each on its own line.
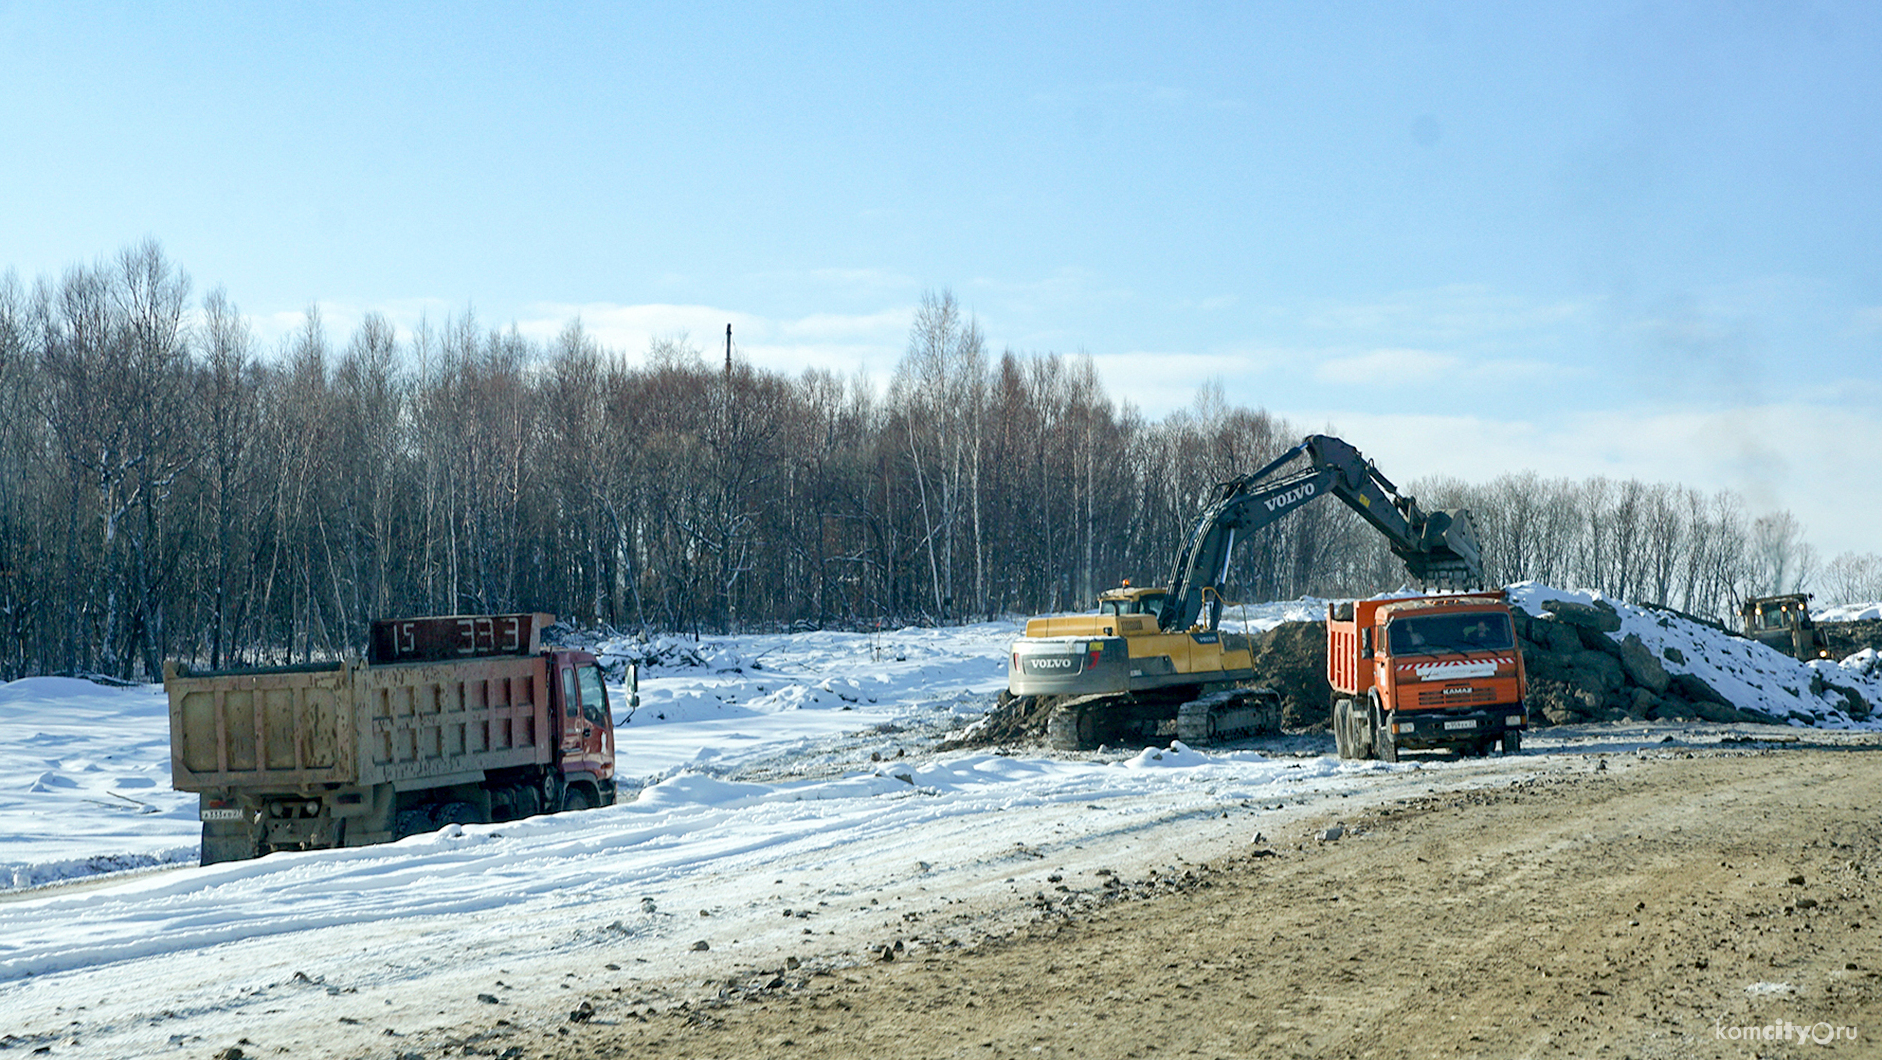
<point x="1654" y="907"/>
<point x="1848" y="638"/>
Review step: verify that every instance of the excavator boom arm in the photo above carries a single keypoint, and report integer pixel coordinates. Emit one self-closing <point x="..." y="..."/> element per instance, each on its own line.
<point x="1438" y="548"/>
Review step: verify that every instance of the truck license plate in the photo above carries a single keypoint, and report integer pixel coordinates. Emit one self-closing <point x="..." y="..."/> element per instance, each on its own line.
<point x="1469" y="723"/>
<point x="222" y="815"/>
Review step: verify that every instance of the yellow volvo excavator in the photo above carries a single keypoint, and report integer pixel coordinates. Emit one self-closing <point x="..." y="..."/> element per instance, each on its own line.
<point x="1152" y="661"/>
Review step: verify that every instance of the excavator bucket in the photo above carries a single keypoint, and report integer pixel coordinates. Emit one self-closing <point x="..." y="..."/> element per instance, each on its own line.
<point x="1447" y="555"/>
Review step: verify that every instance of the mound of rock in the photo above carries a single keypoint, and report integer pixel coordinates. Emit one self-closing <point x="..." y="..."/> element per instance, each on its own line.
<point x="1578" y="673"/>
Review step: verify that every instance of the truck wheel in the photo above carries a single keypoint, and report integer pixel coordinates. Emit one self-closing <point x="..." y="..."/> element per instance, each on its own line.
<point x="1384" y="747"/>
<point x="575" y="799"/>
<point x="412" y="822"/>
<point x="1512" y="741"/>
<point x="455" y="813"/>
<point x="226" y="845"/>
<point x="1343" y="728"/>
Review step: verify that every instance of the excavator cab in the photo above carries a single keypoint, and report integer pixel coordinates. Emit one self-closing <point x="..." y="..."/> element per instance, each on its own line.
<point x="1131" y="601"/>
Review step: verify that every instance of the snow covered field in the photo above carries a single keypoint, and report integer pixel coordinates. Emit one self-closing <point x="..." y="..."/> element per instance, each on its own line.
<point x="787" y="807"/>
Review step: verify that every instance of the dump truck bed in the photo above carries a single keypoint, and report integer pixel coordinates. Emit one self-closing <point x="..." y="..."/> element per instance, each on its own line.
<point x="408" y="724"/>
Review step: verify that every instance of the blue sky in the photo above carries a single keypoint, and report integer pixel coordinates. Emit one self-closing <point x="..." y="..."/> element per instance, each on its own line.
<point x="1623" y="239"/>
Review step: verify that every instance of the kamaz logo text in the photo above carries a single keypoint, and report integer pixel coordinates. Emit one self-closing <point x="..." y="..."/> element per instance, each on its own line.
<point x="1298" y="493"/>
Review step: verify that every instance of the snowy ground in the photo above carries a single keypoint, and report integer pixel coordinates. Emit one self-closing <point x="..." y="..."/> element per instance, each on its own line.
<point x="780" y="803"/>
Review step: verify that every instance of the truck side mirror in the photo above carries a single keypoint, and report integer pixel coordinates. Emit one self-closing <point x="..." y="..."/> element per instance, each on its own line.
<point x="1365" y="643"/>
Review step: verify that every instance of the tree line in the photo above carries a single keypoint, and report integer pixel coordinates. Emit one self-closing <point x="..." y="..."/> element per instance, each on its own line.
<point x="170" y="489"/>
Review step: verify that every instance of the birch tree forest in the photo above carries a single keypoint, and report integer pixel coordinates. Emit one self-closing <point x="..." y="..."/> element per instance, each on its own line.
<point x="171" y="489"/>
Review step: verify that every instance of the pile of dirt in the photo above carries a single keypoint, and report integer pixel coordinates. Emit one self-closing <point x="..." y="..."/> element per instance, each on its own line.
<point x="1291" y="658"/>
<point x="1014" y="720"/>
<point x="1845" y="639"/>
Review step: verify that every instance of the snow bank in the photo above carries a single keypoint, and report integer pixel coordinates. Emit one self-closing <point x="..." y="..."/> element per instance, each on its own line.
<point x="1848" y="613"/>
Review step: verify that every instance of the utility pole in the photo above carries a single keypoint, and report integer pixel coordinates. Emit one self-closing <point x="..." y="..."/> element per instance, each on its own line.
<point x="728" y="351"/>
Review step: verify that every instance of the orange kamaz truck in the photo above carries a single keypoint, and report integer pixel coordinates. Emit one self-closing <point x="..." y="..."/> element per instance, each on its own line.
<point x="1425" y="672"/>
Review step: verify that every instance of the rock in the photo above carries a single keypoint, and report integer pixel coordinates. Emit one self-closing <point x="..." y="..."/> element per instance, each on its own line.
<point x="1644" y="701"/>
<point x="1641" y="666"/>
<point x="1674" y="655"/>
<point x="701" y="946"/>
<point x="490" y="999"/>
<point x="1558" y="637"/>
<point x="647" y="906"/>
<point x="1329" y="835"/>
<point x="1598" y="616"/>
<point x="1540" y="663"/>
<point x="1710" y="710"/>
<point x="1795" y="881"/>
<point x="1692" y="687"/>
<point x="1595" y="640"/>
<point x="1597" y="672"/>
<point x="583" y="1013"/>
<point x="1673" y="708"/>
<point x="233" y="1052"/>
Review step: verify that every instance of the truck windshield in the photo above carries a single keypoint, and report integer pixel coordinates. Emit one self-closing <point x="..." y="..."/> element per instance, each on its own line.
<point x="1437" y="634"/>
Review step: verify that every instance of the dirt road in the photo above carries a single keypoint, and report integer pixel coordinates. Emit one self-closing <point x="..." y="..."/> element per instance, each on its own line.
<point x="1674" y="904"/>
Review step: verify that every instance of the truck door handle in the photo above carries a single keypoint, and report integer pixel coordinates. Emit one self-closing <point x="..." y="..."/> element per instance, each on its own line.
<point x="586" y="731"/>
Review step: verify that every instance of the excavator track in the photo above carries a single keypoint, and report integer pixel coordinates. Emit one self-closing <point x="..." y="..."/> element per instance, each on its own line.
<point x="1086" y="723"/>
<point x="1228" y="715"/>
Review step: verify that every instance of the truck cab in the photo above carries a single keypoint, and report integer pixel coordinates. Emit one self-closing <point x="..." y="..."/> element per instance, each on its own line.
<point x="585" y="730"/>
<point x="1425" y="672"/>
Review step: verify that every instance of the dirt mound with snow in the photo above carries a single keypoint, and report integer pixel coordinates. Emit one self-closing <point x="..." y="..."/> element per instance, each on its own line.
<point x="1847" y="638"/>
<point x="1291" y="658"/>
<point x="1594" y="659"/>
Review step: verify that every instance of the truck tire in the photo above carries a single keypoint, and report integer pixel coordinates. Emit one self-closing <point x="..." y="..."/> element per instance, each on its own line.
<point x="221" y="845"/>
<point x="1512" y="741"/>
<point x="455" y="813"/>
<point x="412" y="822"/>
<point x="576" y="798"/>
<point x="1343" y="728"/>
<point x="1384" y="747"/>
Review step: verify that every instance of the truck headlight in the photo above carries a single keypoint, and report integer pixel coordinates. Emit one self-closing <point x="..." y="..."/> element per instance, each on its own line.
<point x="1514" y="720"/>
<point x="1404" y="726"/>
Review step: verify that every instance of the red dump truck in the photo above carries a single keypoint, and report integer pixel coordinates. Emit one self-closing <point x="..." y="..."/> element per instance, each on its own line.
<point x="463" y="718"/>
<point x="1424" y="672"/>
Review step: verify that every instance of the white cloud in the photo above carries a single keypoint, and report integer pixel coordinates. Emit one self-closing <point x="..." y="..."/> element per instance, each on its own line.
<point x="1159" y="382"/>
<point x="1778" y="456"/>
<point x="1401" y="366"/>
<point x="1458" y="313"/>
